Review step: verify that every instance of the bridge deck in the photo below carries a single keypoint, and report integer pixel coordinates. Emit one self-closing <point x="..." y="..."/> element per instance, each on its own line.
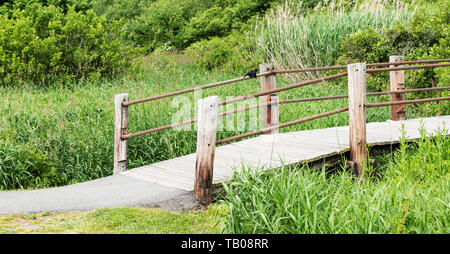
<point x="273" y="150"/>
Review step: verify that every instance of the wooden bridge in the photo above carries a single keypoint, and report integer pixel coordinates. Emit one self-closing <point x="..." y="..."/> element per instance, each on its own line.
<point x="213" y="165"/>
<point x="275" y="150"/>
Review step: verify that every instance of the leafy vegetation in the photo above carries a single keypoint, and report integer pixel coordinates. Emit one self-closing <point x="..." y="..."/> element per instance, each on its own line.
<point x="122" y="220"/>
<point x="62" y="62"/>
<point x="426" y="36"/>
<point x="173" y="24"/>
<point x="41" y="44"/>
<point x="9" y="6"/>
<point x="296" y="40"/>
<point x="409" y="195"/>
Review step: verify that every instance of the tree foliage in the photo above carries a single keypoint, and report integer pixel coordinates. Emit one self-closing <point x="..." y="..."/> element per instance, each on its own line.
<point x="42" y="43"/>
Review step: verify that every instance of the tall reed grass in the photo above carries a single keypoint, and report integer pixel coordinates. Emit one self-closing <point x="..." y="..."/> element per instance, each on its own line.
<point x="294" y="39"/>
<point x="411" y="194"/>
<point x="64" y="135"/>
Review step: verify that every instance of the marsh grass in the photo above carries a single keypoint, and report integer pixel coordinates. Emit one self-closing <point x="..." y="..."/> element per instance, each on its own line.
<point x="294" y="39"/>
<point x="411" y="194"/>
<point x="63" y="135"/>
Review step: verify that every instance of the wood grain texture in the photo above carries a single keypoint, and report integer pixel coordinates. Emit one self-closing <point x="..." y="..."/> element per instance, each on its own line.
<point x="357" y="114"/>
<point x="120" y="128"/>
<point x="206" y="146"/>
<point x="397" y="83"/>
<point x="269" y="112"/>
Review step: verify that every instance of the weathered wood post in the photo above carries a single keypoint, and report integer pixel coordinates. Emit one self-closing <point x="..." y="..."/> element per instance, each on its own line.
<point x="120" y="128"/>
<point x="269" y="112"/>
<point x="206" y="146"/>
<point x="357" y="115"/>
<point x="397" y="81"/>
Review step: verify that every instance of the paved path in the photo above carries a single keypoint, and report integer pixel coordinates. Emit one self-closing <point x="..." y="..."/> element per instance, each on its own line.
<point x="167" y="184"/>
<point x="111" y="191"/>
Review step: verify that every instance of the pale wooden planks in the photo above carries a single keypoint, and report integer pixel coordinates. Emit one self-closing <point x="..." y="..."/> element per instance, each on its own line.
<point x="273" y="150"/>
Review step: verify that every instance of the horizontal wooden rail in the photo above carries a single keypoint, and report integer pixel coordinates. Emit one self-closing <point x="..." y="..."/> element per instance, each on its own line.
<point x="236" y="100"/>
<point x="423" y="66"/>
<point x="279" y="126"/>
<point x="341" y="67"/>
<point x="327" y="114"/>
<point x="415" y="90"/>
<point x="131" y="135"/>
<point x="344" y="96"/>
<point x="381" y="104"/>
<point x="189" y="90"/>
<point x="128" y="103"/>
<point x="318" y="80"/>
<point x="304" y="83"/>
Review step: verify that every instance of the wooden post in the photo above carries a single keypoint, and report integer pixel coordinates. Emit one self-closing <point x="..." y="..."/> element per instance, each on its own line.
<point x="274" y="113"/>
<point x="397" y="80"/>
<point x="120" y="128"/>
<point x="206" y="146"/>
<point x="357" y="114"/>
<point x="269" y="112"/>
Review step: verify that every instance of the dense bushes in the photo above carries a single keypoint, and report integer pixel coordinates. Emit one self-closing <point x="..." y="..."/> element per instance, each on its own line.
<point x="9" y="6"/>
<point x="24" y="167"/>
<point x="40" y="44"/>
<point x="234" y="52"/>
<point x="176" y="24"/>
<point x="216" y="34"/>
<point x="410" y="195"/>
<point x="291" y="39"/>
<point x="417" y="39"/>
<point x="427" y="36"/>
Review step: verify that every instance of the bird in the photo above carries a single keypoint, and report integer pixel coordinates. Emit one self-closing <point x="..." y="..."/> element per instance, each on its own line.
<point x="252" y="73"/>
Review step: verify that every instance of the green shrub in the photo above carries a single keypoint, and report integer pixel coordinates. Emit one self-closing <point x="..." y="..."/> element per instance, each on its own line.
<point x="24" y="167"/>
<point x="410" y="195"/>
<point x="118" y="9"/>
<point x="174" y="24"/>
<point x="160" y="25"/>
<point x="41" y="44"/>
<point x="292" y="39"/>
<point x="9" y="6"/>
<point x="235" y="52"/>
<point x="128" y="11"/>
<point x="212" y="22"/>
<point x="427" y="36"/>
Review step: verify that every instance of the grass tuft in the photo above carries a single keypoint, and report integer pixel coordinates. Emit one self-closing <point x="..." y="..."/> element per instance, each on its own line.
<point x="411" y="195"/>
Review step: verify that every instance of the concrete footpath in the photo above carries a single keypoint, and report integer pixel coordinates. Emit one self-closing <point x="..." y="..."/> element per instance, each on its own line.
<point x="112" y="191"/>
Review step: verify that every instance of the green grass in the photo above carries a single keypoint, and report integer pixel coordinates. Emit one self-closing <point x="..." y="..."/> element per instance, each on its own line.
<point x="63" y="135"/>
<point x="124" y="220"/>
<point x="294" y="39"/>
<point x="410" y="194"/>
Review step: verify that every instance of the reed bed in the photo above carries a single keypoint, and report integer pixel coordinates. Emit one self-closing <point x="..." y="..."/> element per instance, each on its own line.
<point x="409" y="194"/>
<point x="294" y="39"/>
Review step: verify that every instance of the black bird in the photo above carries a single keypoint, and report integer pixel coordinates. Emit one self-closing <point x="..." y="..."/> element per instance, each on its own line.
<point x="252" y="73"/>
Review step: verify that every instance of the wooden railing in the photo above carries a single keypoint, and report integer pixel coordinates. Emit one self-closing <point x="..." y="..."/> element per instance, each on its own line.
<point x="208" y="112"/>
